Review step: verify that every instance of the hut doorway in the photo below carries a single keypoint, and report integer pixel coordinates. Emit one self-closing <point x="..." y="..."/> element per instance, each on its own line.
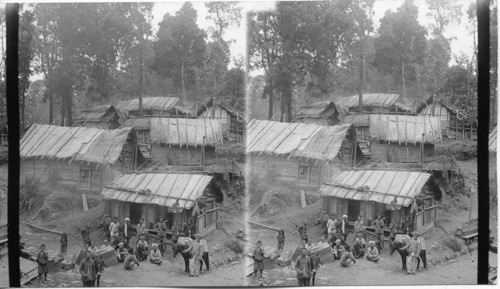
<point x="135" y="213"/>
<point x="353" y="210"/>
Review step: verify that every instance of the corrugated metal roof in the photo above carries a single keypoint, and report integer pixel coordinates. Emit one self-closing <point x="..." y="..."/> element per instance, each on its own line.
<point x="295" y="139"/>
<point x="492" y="141"/>
<point x="315" y="109"/>
<point x="374" y="99"/>
<point x="164" y="188"/>
<point x="357" y="119"/>
<point x="379" y="186"/>
<point x="79" y="143"/>
<point x="157" y="103"/>
<point x="139" y="123"/>
<point x="405" y="128"/>
<point x="185" y="131"/>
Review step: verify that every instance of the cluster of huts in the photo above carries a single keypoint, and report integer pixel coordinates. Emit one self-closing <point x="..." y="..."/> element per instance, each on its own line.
<point x="159" y="161"/>
<point x="377" y="158"/>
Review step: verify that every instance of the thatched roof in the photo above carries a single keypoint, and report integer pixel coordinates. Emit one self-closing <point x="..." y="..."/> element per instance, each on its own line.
<point x="380" y="186"/>
<point x="316" y="110"/>
<point x="97" y="114"/>
<point x="371" y="99"/>
<point x="428" y="107"/>
<point x="76" y="143"/>
<point x="185" y="131"/>
<point x="295" y="139"/>
<point x="154" y="103"/>
<point x="230" y="110"/>
<point x="405" y="128"/>
<point x="155" y="188"/>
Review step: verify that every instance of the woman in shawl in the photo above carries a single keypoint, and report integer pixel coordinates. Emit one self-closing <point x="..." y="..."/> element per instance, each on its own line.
<point x="258" y="257"/>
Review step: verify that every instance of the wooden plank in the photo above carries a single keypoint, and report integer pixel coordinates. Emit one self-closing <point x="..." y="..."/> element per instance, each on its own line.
<point x="85" y="204"/>
<point x="42" y="229"/>
<point x="303" y="198"/>
<point x="263" y="226"/>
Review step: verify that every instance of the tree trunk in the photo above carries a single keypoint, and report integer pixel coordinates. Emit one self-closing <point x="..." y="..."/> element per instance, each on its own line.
<point x="140" y="87"/>
<point x="403" y="77"/>
<point x="360" y="85"/>
<point x="183" y="87"/>
<point x="286" y="101"/>
<point x="51" y="108"/>
<point x="23" y="99"/>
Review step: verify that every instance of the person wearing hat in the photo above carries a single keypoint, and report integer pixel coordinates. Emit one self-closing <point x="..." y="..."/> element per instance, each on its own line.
<point x="359" y="246"/>
<point x="126" y="229"/>
<point x="121" y="252"/>
<point x="88" y="270"/>
<point x="155" y="255"/>
<point x="338" y="249"/>
<point x="196" y="251"/>
<point x="142" y="249"/>
<point x="322" y="242"/>
<point x="372" y="252"/>
<point x="345" y="225"/>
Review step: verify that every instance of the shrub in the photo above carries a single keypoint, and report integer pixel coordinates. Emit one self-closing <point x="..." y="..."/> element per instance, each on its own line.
<point x="234" y="245"/>
<point x="453" y="243"/>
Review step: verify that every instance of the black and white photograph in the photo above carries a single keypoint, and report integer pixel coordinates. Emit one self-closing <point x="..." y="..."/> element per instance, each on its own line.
<point x="361" y="143"/>
<point x="247" y="143"/>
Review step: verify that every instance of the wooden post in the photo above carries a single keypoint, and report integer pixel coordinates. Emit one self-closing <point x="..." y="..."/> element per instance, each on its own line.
<point x="90" y="179"/>
<point x="79" y="175"/>
<point x="100" y="179"/>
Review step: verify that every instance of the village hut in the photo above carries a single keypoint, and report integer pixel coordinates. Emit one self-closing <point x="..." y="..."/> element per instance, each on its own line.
<point x="321" y="113"/>
<point x="102" y="116"/>
<point x="372" y="102"/>
<point x="141" y="127"/>
<point x="232" y="120"/>
<point x="157" y="106"/>
<point x="173" y="196"/>
<point x="403" y="138"/>
<point x="184" y="141"/>
<point x="453" y="119"/>
<point x="394" y="194"/>
<point x="85" y="158"/>
<point x="301" y="154"/>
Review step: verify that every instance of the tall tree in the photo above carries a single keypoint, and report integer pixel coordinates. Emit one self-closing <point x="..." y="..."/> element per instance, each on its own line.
<point x="26" y="55"/>
<point x="180" y="47"/>
<point x="493" y="63"/>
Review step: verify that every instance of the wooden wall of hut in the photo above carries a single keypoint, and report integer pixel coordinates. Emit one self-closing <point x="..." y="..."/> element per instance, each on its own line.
<point x="304" y="173"/>
<point x="174" y="155"/>
<point x="87" y="177"/>
<point x="399" y="153"/>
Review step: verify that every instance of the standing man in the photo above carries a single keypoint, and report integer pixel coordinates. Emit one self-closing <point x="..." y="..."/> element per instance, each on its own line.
<point x="379" y="225"/>
<point x="423" y="254"/>
<point x="303" y="233"/>
<point x="205" y="260"/>
<point x="141" y="228"/>
<point x="126" y="229"/>
<point x="88" y="270"/>
<point x="175" y="232"/>
<point x="161" y="228"/>
<point x="190" y="229"/>
<point x="303" y="268"/>
<point x="332" y="225"/>
<point x="324" y="221"/>
<point x="359" y="226"/>
<point x="345" y="226"/>
<point x="196" y="255"/>
<point x="106" y="222"/>
<point x="113" y="227"/>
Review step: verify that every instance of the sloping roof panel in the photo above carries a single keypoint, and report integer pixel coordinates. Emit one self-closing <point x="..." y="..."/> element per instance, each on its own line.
<point x="156" y="103"/>
<point x="371" y="99"/>
<point x="492" y="141"/>
<point x="380" y="186"/>
<point x="357" y="119"/>
<point x="405" y="128"/>
<point x="316" y="109"/>
<point x="295" y="139"/>
<point x="165" y="188"/>
<point x="185" y="131"/>
<point x="79" y="143"/>
<point x="231" y="110"/>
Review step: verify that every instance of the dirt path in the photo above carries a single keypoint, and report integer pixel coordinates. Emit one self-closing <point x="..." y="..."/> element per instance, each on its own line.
<point x="386" y="272"/>
<point x="151" y="275"/>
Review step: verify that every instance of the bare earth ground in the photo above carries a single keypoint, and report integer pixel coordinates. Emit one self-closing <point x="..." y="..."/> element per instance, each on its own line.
<point x="458" y="211"/>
